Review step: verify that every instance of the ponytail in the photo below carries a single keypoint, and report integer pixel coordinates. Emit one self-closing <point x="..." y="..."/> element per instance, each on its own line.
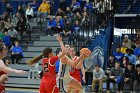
<point x="35" y="59"/>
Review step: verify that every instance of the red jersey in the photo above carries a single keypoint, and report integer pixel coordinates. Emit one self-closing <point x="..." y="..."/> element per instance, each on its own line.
<point x="2" y="88"/>
<point x="75" y="73"/>
<point x="49" y="69"/>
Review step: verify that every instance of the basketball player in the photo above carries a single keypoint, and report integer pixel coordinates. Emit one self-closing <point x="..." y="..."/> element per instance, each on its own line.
<point x="64" y="79"/>
<point x="4" y="70"/>
<point x="75" y="72"/>
<point x="48" y="82"/>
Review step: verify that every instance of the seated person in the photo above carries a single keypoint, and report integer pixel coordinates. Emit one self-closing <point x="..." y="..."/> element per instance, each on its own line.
<point x="6" y="40"/>
<point x="138" y="61"/>
<point x="137" y="79"/>
<point x="58" y="25"/>
<point x="115" y="76"/>
<point x="50" y="25"/>
<point x="67" y="28"/>
<point x="128" y="78"/>
<point x="98" y="77"/>
<point x="16" y="52"/>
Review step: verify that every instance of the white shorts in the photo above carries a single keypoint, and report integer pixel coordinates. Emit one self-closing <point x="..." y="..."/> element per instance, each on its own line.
<point x="62" y="83"/>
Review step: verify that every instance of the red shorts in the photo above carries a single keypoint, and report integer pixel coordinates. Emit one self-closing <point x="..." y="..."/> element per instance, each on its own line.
<point x="77" y="77"/>
<point x="2" y="89"/>
<point x="49" y="87"/>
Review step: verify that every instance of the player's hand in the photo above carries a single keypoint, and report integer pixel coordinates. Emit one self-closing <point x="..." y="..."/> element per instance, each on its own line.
<point x="3" y="78"/>
<point x="59" y="38"/>
<point x="83" y="78"/>
<point x="21" y="72"/>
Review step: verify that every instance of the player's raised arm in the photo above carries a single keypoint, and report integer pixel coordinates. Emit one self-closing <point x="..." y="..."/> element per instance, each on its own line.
<point x="59" y="38"/>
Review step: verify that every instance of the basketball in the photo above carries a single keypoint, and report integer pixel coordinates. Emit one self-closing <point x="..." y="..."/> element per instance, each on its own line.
<point x="86" y="51"/>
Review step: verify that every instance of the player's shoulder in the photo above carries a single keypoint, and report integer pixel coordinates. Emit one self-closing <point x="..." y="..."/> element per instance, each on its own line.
<point x="44" y="60"/>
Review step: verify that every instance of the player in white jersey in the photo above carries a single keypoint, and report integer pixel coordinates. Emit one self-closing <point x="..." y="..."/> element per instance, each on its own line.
<point x="64" y="79"/>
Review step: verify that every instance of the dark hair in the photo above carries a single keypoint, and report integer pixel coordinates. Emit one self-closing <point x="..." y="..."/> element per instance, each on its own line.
<point x="117" y="63"/>
<point x="58" y="50"/>
<point x="130" y="64"/>
<point x="1" y="46"/>
<point x="97" y="65"/>
<point x="129" y="50"/>
<point x="138" y="66"/>
<point x="127" y="59"/>
<point x="47" y="51"/>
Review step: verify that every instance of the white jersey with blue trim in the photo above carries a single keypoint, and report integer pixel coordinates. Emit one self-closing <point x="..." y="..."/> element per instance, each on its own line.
<point x="63" y="77"/>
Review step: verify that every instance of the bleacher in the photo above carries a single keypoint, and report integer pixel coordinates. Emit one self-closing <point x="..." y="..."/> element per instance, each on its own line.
<point x="34" y="44"/>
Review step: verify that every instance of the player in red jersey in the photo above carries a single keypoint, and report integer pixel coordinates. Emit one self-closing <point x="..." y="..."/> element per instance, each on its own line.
<point x="75" y="71"/>
<point x="4" y="69"/>
<point x="4" y="78"/>
<point x="48" y="82"/>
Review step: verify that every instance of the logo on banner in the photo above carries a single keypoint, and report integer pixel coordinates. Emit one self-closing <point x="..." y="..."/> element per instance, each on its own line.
<point x="97" y="57"/>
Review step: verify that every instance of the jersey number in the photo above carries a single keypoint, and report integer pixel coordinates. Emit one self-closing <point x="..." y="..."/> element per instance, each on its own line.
<point x="72" y="69"/>
<point x="46" y="68"/>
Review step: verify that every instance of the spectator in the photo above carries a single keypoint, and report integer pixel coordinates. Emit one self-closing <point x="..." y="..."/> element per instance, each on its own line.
<point x="118" y="55"/>
<point x="29" y="12"/>
<point x="35" y="7"/>
<point x="137" y="49"/>
<point x="2" y="26"/>
<point x="16" y="52"/>
<point x="115" y="76"/>
<point x="60" y="12"/>
<point x="89" y="8"/>
<point x="125" y="61"/>
<point x="138" y="61"/>
<point x="76" y="27"/>
<point x="85" y="19"/>
<point x="98" y="76"/>
<point x="20" y="10"/>
<point x="21" y="24"/>
<point x="44" y="8"/>
<point x="111" y="62"/>
<point x="68" y="12"/>
<point x="5" y="16"/>
<point x="124" y="47"/>
<point x="67" y="28"/>
<point x="7" y="40"/>
<point x="128" y="41"/>
<point x="13" y="34"/>
<point x="77" y="17"/>
<point x="128" y="78"/>
<point x="137" y="38"/>
<point x="89" y="66"/>
<point x="75" y="6"/>
<point x="132" y="58"/>
<point x="62" y="4"/>
<point x="137" y="79"/>
<point x="58" y="26"/>
<point x="8" y="23"/>
<point x="50" y="25"/>
<point x="9" y="9"/>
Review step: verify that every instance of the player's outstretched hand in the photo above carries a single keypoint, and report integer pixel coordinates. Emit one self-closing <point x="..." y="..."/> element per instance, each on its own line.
<point x="21" y="72"/>
<point x="59" y="38"/>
